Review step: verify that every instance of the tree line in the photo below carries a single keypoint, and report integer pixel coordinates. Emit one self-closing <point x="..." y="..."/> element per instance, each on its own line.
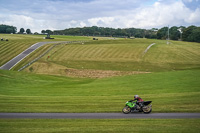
<point x="22" y="31"/>
<point x="7" y="29"/>
<point x="101" y="31"/>
<point x="191" y="33"/>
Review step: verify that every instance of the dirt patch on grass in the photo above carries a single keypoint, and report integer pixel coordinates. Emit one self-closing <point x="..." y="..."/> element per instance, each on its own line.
<point x="55" y="69"/>
<point x="87" y="73"/>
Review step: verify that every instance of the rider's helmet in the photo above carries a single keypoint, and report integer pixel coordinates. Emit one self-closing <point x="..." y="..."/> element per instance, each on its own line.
<point x="136" y="96"/>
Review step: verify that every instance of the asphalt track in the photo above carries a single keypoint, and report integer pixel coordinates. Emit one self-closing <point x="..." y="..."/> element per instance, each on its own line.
<point x="10" y="64"/>
<point x="99" y="116"/>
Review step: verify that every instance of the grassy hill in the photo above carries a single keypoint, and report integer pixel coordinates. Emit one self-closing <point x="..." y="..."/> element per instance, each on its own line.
<point x="105" y="54"/>
<point x="113" y="70"/>
<point x="118" y="55"/>
<point x="18" y="43"/>
<point x="172" y="84"/>
<point x="176" y="91"/>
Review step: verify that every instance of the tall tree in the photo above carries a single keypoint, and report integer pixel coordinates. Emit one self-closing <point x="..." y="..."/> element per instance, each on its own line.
<point x="49" y="31"/>
<point x="174" y="33"/>
<point x="22" y="30"/>
<point x="7" y="29"/>
<point x="162" y="33"/>
<point x="28" y="31"/>
<point x="195" y="35"/>
<point x="43" y="31"/>
<point x="187" y="33"/>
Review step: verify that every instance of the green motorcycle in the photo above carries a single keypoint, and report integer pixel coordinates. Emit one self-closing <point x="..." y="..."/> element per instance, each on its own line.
<point x="134" y="106"/>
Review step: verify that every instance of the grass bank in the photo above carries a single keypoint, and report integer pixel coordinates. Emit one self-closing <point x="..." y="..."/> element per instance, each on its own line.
<point x="176" y="91"/>
<point x="119" y="55"/>
<point x="99" y="125"/>
<point x="19" y="42"/>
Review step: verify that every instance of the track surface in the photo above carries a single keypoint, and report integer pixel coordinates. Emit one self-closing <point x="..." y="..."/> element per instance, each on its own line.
<point x="99" y="115"/>
<point x="10" y="64"/>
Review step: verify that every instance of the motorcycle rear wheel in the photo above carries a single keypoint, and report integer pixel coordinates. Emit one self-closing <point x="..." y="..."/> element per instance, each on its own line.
<point x="126" y="110"/>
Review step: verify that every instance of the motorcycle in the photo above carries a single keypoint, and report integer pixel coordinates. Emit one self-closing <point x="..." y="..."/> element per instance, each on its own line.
<point x="134" y="106"/>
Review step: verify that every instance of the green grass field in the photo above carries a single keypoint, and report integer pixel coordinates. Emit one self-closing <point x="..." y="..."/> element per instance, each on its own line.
<point x="99" y="125"/>
<point x="18" y="43"/>
<point x="176" y="91"/>
<point x="169" y="89"/>
<point x="169" y="77"/>
<point x="120" y="55"/>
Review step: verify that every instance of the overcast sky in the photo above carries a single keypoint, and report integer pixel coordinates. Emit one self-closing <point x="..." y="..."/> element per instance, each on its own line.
<point x="40" y="15"/>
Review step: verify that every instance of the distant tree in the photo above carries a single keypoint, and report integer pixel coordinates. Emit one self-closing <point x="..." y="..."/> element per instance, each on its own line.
<point x="9" y="30"/>
<point x="187" y="33"/>
<point x="174" y="33"/>
<point x="48" y="32"/>
<point x="154" y="29"/>
<point x="3" y="28"/>
<point x="162" y="33"/>
<point x="190" y="34"/>
<point x="43" y="31"/>
<point x="28" y="31"/>
<point x="151" y="34"/>
<point x="196" y="34"/>
<point x="22" y="30"/>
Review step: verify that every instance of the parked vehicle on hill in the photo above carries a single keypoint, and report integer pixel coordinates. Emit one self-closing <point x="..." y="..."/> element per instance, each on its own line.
<point x="134" y="106"/>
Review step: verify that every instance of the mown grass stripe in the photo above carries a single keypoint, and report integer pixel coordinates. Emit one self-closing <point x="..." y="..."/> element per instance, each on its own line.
<point x="12" y="52"/>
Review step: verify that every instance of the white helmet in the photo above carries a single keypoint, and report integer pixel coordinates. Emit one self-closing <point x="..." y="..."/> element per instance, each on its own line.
<point x="136" y="96"/>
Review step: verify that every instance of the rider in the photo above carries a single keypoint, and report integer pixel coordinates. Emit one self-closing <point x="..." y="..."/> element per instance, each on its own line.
<point x="139" y="100"/>
<point x="136" y="97"/>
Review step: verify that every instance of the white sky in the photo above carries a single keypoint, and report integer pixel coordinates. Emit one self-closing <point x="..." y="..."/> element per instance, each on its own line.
<point x="40" y="15"/>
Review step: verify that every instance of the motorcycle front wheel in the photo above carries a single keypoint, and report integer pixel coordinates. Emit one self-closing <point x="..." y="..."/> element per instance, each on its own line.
<point x="126" y="110"/>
